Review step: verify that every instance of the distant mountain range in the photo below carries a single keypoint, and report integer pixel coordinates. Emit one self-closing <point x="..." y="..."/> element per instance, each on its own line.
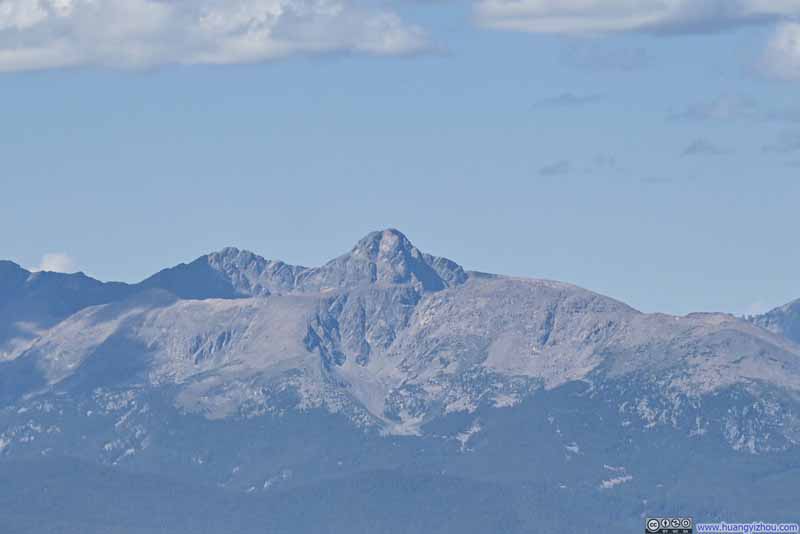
<point x="388" y="390"/>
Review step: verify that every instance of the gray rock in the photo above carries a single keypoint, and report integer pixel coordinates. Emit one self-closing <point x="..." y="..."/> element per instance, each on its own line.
<point x="784" y="321"/>
<point x="287" y="382"/>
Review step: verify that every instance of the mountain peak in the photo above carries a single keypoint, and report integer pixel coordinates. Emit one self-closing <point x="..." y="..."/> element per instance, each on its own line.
<point x="230" y="256"/>
<point x="12" y="279"/>
<point x="391" y="236"/>
<point x="229" y="251"/>
<point x="11" y="273"/>
<point x="784" y="320"/>
<point x="385" y="257"/>
<point x="7" y="265"/>
<point x="228" y="273"/>
<point x="385" y="245"/>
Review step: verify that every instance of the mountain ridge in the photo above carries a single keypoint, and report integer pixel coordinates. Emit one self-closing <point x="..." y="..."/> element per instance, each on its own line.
<point x="368" y="314"/>
<point x="257" y="377"/>
<point x="783" y="320"/>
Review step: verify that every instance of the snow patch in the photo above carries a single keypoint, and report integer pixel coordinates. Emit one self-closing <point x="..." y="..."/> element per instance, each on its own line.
<point x="613" y="482"/>
<point x="465" y="436"/>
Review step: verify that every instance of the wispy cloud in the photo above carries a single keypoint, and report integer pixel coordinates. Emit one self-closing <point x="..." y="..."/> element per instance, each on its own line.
<point x="735" y="108"/>
<point x="786" y="143"/>
<point x="558" y="168"/>
<point x="656" y="180"/>
<point x="604" y="162"/>
<point x="600" y="165"/>
<point x="704" y="147"/>
<point x="57" y="262"/>
<point x="588" y="17"/>
<point x="724" y="107"/>
<point x="597" y="56"/>
<point x="42" y="34"/>
<point x="566" y="100"/>
<point x="791" y="115"/>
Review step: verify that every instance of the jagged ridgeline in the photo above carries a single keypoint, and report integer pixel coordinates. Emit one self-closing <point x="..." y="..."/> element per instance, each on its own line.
<point x="388" y="390"/>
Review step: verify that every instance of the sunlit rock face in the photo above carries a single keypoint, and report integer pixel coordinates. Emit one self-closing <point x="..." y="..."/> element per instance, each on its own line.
<point x="274" y="381"/>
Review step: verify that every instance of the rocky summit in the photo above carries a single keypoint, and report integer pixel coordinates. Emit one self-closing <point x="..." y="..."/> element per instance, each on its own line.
<point x="387" y="390"/>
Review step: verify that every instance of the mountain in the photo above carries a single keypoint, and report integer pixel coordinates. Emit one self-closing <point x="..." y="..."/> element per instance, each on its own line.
<point x="380" y="258"/>
<point x="784" y="321"/>
<point x="390" y="390"/>
<point x="32" y="302"/>
<point x="384" y="259"/>
<point x="230" y="273"/>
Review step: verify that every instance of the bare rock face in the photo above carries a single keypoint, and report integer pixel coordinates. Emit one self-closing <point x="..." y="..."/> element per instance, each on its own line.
<point x="381" y="259"/>
<point x="254" y="375"/>
<point x="384" y="258"/>
<point x="227" y="274"/>
<point x="784" y="321"/>
<point x="251" y="275"/>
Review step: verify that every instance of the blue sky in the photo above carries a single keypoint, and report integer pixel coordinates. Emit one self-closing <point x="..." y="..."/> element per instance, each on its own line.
<point x="645" y="149"/>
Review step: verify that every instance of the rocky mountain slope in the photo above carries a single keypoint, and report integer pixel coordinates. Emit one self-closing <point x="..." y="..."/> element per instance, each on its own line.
<point x="254" y="377"/>
<point x="30" y="303"/>
<point x="784" y="321"/>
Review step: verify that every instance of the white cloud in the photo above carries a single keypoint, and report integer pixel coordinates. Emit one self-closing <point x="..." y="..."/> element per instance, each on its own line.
<point x="611" y="16"/>
<point x="41" y="34"/>
<point x="57" y="262"/>
<point x="782" y="59"/>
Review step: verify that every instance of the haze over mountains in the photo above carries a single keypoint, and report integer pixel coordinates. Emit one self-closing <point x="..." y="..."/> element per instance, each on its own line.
<point x="340" y="398"/>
